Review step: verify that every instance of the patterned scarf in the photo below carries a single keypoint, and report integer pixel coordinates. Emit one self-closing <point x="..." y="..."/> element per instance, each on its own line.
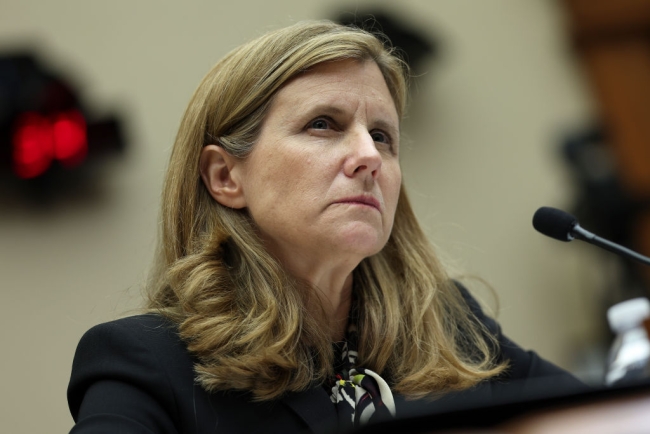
<point x="360" y="395"/>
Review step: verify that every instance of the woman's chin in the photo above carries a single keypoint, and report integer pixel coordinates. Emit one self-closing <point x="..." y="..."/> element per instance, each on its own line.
<point x="364" y="243"/>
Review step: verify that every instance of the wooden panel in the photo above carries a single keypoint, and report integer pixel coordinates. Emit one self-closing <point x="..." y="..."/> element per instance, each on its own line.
<point x="599" y="17"/>
<point x="620" y="74"/>
<point x="612" y="38"/>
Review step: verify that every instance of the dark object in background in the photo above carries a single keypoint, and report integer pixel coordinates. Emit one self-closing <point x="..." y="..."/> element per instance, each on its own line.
<point x="47" y="136"/>
<point x="602" y="203"/>
<point x="416" y="45"/>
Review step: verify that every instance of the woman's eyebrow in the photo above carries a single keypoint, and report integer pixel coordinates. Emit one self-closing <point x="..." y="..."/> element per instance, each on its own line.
<point x="325" y="108"/>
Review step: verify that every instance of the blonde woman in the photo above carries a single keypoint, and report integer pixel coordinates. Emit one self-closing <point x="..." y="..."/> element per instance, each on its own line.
<point x="294" y="289"/>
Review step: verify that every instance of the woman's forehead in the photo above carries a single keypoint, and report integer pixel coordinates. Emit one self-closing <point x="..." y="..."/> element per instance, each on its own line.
<point x="335" y="84"/>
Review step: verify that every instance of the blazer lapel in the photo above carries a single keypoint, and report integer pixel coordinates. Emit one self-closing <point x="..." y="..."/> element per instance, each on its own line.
<point x="315" y="408"/>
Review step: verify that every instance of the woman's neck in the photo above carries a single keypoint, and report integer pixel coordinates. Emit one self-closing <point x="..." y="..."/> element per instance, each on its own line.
<point x="334" y="298"/>
<point x="340" y="311"/>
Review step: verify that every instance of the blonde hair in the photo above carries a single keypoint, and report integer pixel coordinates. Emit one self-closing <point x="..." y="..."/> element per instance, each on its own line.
<point x="240" y="313"/>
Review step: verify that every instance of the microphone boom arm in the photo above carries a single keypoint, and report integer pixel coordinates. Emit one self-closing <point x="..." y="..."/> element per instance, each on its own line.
<point x="584" y="235"/>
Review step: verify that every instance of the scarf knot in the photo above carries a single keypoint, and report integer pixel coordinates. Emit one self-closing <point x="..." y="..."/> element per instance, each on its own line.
<point x="360" y="395"/>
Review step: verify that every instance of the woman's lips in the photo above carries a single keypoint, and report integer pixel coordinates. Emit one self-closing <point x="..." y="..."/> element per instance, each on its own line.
<point x="362" y="200"/>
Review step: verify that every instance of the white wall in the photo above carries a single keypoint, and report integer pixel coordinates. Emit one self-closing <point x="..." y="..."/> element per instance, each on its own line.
<point x="483" y="127"/>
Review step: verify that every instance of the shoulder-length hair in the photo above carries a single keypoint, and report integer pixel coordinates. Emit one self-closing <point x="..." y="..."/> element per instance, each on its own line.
<point x="242" y="316"/>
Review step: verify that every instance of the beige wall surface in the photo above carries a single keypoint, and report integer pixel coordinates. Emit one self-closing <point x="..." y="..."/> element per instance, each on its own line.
<point x="483" y="129"/>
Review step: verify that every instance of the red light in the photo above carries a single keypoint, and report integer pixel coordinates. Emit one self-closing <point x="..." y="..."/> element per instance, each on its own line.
<point x="33" y="145"/>
<point x="70" y="142"/>
<point x="38" y="139"/>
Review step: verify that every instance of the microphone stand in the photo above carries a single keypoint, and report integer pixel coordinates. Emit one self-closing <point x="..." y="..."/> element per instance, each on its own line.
<point x="579" y="233"/>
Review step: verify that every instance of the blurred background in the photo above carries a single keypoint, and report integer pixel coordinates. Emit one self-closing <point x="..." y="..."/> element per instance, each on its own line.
<point x="515" y="105"/>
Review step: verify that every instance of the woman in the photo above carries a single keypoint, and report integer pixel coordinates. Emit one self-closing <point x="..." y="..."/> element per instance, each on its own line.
<point x="294" y="289"/>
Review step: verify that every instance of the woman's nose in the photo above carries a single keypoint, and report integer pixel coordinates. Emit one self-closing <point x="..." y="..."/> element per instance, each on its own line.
<point x="364" y="158"/>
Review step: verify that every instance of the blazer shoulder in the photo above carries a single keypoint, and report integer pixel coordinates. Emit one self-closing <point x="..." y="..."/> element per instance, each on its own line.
<point x="135" y="324"/>
<point x="137" y="372"/>
<point x="141" y="354"/>
<point x="151" y="333"/>
<point x="490" y="323"/>
<point x="152" y="327"/>
<point x="524" y="366"/>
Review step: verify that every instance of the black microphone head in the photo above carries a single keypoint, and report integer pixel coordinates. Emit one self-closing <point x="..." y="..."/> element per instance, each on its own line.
<point x="554" y="223"/>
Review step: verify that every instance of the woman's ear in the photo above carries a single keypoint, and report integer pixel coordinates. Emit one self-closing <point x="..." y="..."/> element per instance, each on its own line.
<point x="220" y="174"/>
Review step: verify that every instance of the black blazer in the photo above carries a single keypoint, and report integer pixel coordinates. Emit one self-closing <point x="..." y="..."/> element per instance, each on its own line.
<point x="134" y="375"/>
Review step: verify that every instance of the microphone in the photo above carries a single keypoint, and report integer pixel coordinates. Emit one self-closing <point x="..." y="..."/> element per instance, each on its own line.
<point x="562" y="226"/>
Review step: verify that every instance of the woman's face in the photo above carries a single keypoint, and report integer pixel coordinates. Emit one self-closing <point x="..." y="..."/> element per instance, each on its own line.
<point x="323" y="179"/>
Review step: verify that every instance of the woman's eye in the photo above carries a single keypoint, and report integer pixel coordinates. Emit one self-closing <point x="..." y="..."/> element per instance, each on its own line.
<point x="380" y="137"/>
<point x="319" y="124"/>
